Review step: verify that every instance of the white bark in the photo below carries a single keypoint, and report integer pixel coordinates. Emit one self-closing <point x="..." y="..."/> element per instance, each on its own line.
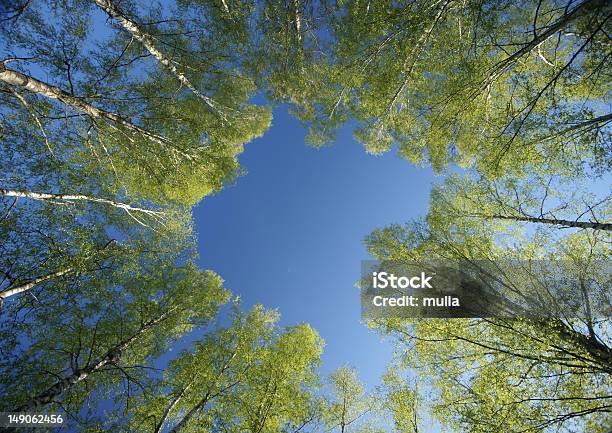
<point x="225" y="7"/>
<point x="110" y="357"/>
<point x="171" y="406"/>
<point x="16" y="78"/>
<point x="157" y="215"/>
<point x="31" y="284"/>
<point x="298" y="19"/>
<point x="580" y="10"/>
<point x="147" y="41"/>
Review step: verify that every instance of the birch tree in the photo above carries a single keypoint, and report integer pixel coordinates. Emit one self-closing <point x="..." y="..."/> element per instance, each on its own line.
<point x="285" y="43"/>
<point x="103" y="340"/>
<point x="278" y="390"/>
<point x="51" y="242"/>
<point x="497" y="86"/>
<point x="536" y="201"/>
<point x="403" y="401"/>
<point x="209" y="387"/>
<point x="349" y="405"/>
<point x="120" y="107"/>
<point x="547" y="370"/>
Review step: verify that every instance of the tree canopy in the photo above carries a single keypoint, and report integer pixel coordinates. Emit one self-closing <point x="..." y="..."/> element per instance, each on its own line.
<point x="117" y="118"/>
<point x="497" y="85"/>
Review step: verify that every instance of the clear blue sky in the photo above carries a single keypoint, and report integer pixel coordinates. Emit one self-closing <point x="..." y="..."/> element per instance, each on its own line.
<point x="289" y="234"/>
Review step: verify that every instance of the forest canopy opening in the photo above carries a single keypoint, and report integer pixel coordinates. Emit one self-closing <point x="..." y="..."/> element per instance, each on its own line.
<point x="118" y="118"/>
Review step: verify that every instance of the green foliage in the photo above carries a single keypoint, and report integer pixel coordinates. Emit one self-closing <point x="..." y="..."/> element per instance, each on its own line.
<point x="403" y="402"/>
<point x="510" y="203"/>
<point x="109" y="138"/>
<point x="103" y="337"/>
<point x="250" y="376"/>
<point x="501" y="86"/>
<point x="164" y="142"/>
<point x="544" y="371"/>
<point x="349" y="405"/>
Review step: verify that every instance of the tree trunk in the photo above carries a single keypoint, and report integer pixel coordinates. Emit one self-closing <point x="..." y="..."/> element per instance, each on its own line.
<point x="225" y="7"/>
<point x="580" y="10"/>
<point x="173" y="403"/>
<point x="110" y="357"/>
<point x="200" y="404"/>
<point x="80" y="197"/>
<point x="600" y="353"/>
<point x="563" y="223"/>
<point x="298" y="19"/>
<point x="15" y="78"/>
<point x="25" y="287"/>
<point x="148" y="42"/>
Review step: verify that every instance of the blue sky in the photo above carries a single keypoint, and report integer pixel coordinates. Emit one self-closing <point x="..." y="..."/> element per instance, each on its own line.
<point x="289" y="234"/>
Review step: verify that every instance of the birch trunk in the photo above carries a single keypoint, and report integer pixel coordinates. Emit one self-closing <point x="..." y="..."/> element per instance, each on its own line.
<point x="557" y="222"/>
<point x="577" y="12"/>
<point x="200" y="404"/>
<point x="172" y="405"/>
<point x="80" y="197"/>
<point x="16" y="78"/>
<point x="110" y="357"/>
<point x="148" y="42"/>
<point x="298" y="19"/>
<point x="31" y="284"/>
